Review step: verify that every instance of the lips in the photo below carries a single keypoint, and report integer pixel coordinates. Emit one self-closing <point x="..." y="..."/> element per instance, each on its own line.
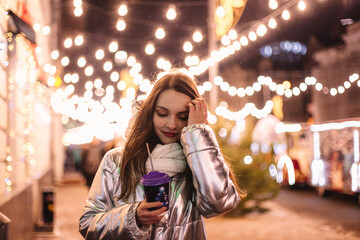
<point x="169" y="134"/>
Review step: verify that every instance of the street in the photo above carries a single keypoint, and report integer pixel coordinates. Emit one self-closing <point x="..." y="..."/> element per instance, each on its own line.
<point x="295" y="214"/>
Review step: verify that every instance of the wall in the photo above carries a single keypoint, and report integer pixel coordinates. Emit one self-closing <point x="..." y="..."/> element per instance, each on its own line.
<point x="30" y="133"/>
<point x="335" y="66"/>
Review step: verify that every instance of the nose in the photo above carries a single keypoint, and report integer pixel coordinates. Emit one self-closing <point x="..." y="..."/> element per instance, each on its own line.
<point x="171" y="123"/>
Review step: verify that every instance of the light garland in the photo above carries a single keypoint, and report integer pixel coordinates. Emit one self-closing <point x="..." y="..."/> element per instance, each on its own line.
<point x="279" y="89"/>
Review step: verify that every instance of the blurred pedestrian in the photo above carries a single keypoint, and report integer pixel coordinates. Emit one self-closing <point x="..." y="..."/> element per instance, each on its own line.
<point x="173" y="121"/>
<point x="91" y="157"/>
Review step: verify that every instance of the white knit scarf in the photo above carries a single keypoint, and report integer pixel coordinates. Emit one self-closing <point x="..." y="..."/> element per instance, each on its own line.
<point x="168" y="158"/>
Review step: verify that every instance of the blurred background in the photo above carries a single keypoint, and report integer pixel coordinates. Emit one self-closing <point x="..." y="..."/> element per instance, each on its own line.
<point x="281" y="78"/>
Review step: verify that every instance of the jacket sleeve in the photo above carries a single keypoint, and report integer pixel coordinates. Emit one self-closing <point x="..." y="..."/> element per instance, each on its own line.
<point x="216" y="193"/>
<point x="104" y="216"/>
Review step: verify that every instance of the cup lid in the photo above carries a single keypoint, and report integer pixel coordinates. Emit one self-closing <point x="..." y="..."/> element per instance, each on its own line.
<point x="154" y="178"/>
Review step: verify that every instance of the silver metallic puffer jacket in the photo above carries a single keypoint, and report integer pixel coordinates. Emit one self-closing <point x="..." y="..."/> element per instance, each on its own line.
<point x="210" y="193"/>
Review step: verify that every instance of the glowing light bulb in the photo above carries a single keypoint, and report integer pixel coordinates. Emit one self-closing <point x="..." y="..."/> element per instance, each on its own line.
<point x="160" y="33"/>
<point x="188" y="47"/>
<point x="301" y="5"/>
<point x="273" y="4"/>
<point x="65" y="61"/>
<point x="122" y="10"/>
<point x="150" y="49"/>
<point x="107" y="66"/>
<point x="55" y="54"/>
<point x="89" y="71"/>
<point x="220" y="12"/>
<point x="285" y="15"/>
<point x="197" y="36"/>
<point x="261" y="30"/>
<point x="244" y="41"/>
<point x="120" y="25"/>
<point x="113" y="46"/>
<point x="252" y="36"/>
<point x="78" y="11"/>
<point x="36" y="27"/>
<point x="68" y="43"/>
<point x="171" y="13"/>
<point x="99" y="54"/>
<point x="46" y="30"/>
<point x="79" y="40"/>
<point x="272" y="23"/>
<point x="81" y="62"/>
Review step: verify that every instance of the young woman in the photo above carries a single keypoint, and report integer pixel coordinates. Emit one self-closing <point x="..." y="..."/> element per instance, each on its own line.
<point x="172" y="120"/>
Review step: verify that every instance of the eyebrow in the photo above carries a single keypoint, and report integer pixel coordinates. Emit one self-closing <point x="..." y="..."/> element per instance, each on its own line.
<point x="164" y="108"/>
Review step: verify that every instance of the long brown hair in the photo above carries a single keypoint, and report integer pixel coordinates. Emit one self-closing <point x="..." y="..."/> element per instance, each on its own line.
<point x="133" y="163"/>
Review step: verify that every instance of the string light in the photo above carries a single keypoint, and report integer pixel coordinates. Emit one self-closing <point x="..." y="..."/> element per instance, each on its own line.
<point x="120" y="25"/>
<point x="160" y="33"/>
<point x="171" y="13"/>
<point x="122" y="10"/>
<point x="197" y="36"/>
<point x="150" y="49"/>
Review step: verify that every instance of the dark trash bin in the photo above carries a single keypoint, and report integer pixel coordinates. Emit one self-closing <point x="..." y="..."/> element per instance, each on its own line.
<point x="4" y="225"/>
<point x="48" y="206"/>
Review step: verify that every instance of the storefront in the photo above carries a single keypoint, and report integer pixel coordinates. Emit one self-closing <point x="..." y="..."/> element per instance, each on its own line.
<point x="30" y="133"/>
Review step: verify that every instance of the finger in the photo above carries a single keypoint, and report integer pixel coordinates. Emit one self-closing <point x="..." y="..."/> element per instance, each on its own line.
<point x="153" y="204"/>
<point x="191" y="107"/>
<point x="196" y="104"/>
<point x="158" y="211"/>
<point x="202" y="105"/>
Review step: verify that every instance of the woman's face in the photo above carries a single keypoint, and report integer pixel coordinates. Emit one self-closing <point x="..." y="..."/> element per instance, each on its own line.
<point x="171" y="115"/>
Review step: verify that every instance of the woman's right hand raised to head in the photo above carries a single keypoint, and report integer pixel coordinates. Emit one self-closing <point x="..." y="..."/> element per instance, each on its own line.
<point x="145" y="217"/>
<point x="197" y="111"/>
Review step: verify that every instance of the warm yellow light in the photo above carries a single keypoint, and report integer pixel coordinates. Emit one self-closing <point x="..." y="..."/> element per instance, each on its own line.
<point x="113" y="47"/>
<point x="301" y="5"/>
<point x="77" y="3"/>
<point x="150" y="49"/>
<point x="46" y="30"/>
<point x="232" y="34"/>
<point x="285" y="15"/>
<point x="197" y="36"/>
<point x="225" y="40"/>
<point x="81" y="62"/>
<point x="252" y="36"/>
<point x="120" y="56"/>
<point x="188" y="47"/>
<point x="286" y="84"/>
<point x="273" y="4"/>
<point x="108" y="66"/>
<point x="98" y="83"/>
<point x="261" y="30"/>
<point x="89" y="71"/>
<point x="220" y="11"/>
<point x="160" y="33"/>
<point x="123" y="10"/>
<point x="99" y="54"/>
<point x="55" y="54"/>
<point x="36" y="27"/>
<point x="114" y="77"/>
<point x="78" y="11"/>
<point x="171" y="13"/>
<point x="68" y="42"/>
<point x="79" y="40"/>
<point x="244" y="41"/>
<point x="120" y="25"/>
<point x="65" y="61"/>
<point x="272" y="23"/>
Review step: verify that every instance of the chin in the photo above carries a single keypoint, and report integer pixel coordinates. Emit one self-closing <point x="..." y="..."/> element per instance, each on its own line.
<point x="168" y="141"/>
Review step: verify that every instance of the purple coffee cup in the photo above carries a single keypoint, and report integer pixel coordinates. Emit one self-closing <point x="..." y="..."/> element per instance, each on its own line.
<point x="156" y="188"/>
